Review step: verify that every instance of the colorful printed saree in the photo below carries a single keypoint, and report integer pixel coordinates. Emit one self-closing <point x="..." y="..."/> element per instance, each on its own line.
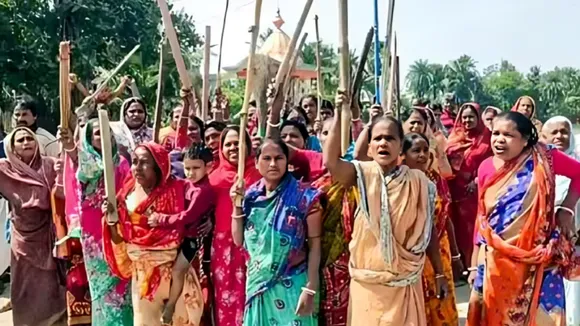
<point x="275" y="237"/>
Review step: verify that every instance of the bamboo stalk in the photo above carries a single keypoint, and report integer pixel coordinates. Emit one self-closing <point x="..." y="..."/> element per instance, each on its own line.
<point x="160" y="87"/>
<point x="206" y="61"/>
<point x="392" y="77"/>
<point x="358" y="76"/>
<point x="398" y="89"/>
<point x="175" y="48"/>
<point x="388" y="40"/>
<point x="115" y="71"/>
<point x="344" y="73"/>
<point x="319" y="80"/>
<point x="294" y="61"/>
<point x="284" y="67"/>
<point x="108" y="166"/>
<point x="64" y="87"/>
<point x="255" y="30"/>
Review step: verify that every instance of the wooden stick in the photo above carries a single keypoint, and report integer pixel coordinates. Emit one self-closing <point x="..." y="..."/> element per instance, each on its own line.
<point x="218" y="82"/>
<point x="64" y="87"/>
<point x="160" y="87"/>
<point x="255" y="29"/>
<point x="284" y="66"/>
<point x="206" y="60"/>
<point x="174" y="43"/>
<point x="108" y="166"/>
<point x="398" y="90"/>
<point x="387" y="55"/>
<point x="344" y="73"/>
<point x="358" y="76"/>
<point x="319" y="80"/>
<point x="392" y="77"/>
<point x="294" y="61"/>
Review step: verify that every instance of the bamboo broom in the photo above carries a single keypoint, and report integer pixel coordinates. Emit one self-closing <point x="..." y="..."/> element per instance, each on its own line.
<point x="319" y="80"/>
<point x="284" y="67"/>
<point x="255" y="30"/>
<point x="344" y="73"/>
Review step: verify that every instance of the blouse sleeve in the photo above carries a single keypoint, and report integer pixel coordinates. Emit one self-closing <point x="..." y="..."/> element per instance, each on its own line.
<point x="568" y="167"/>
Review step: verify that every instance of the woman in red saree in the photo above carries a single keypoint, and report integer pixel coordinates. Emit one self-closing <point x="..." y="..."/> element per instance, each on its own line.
<point x="228" y="261"/>
<point x="467" y="147"/>
<point x="146" y="254"/>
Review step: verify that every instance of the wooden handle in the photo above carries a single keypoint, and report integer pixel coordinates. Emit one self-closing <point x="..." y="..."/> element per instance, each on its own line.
<point x="319" y="80"/>
<point x="160" y="86"/>
<point x="387" y="49"/>
<point x="344" y="73"/>
<point x="108" y="166"/>
<point x="174" y="43"/>
<point x="64" y="87"/>
<point x="255" y="29"/>
<point x="218" y="81"/>
<point x="392" y="74"/>
<point x="206" y="61"/>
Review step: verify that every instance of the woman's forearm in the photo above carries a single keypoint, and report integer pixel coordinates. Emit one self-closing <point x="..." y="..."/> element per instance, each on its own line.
<point x="444" y="167"/>
<point x="433" y="252"/>
<point x="361" y="146"/>
<point x="238" y="226"/>
<point x="314" y="263"/>
<point x="451" y="235"/>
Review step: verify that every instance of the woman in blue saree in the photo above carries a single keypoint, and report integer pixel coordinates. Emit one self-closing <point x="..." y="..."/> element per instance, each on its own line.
<point x="280" y="226"/>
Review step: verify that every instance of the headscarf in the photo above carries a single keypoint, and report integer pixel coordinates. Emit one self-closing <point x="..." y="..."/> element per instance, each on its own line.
<point x="468" y="146"/>
<point x="33" y="173"/>
<point x="490" y="108"/>
<point x="143" y="133"/>
<point x="90" y="161"/>
<point x="537" y="123"/>
<point x="226" y="173"/>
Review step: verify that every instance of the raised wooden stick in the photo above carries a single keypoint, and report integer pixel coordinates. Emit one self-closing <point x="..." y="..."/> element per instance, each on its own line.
<point x="398" y="89"/>
<point x="218" y="81"/>
<point x="160" y="86"/>
<point x="344" y="73"/>
<point x="392" y="77"/>
<point x="64" y="87"/>
<point x="294" y="61"/>
<point x="358" y="76"/>
<point x="108" y="166"/>
<point x="285" y="65"/>
<point x="387" y="47"/>
<point x="255" y="30"/>
<point x="206" y="60"/>
<point x="319" y="80"/>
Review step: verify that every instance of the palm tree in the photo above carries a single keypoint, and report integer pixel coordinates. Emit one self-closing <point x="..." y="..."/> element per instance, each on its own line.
<point x="419" y="78"/>
<point x="436" y="88"/>
<point x="463" y="78"/>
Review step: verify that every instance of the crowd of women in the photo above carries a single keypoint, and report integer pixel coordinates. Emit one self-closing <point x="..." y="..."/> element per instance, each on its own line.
<point x="378" y="235"/>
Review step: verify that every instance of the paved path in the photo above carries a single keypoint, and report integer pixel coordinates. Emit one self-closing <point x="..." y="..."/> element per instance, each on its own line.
<point x="462" y="298"/>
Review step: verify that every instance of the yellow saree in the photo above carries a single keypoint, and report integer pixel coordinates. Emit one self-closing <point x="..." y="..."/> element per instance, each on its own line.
<point x="390" y="236"/>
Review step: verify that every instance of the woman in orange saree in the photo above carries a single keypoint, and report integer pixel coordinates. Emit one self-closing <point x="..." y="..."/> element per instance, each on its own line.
<point x="524" y="237"/>
<point x="146" y="254"/>
<point x="467" y="147"/>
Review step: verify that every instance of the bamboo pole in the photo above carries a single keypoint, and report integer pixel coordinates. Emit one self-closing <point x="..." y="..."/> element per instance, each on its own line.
<point x="284" y="67"/>
<point x="108" y="166"/>
<point x="218" y="82"/>
<point x="388" y="40"/>
<point x="377" y="72"/>
<point x="358" y="76"/>
<point x="160" y="87"/>
<point x="64" y="87"/>
<point x="392" y="77"/>
<point x="294" y="61"/>
<point x="255" y="30"/>
<point x="319" y="80"/>
<point x="344" y="73"/>
<point x="206" y="61"/>
<point x="398" y="89"/>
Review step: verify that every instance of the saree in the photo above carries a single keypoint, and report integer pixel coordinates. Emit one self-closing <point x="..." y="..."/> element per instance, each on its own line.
<point x="387" y="250"/>
<point x="521" y="284"/>
<point x="440" y="312"/>
<point x="337" y="221"/>
<point x="275" y="236"/>
<point x="36" y="292"/>
<point x="146" y="255"/>
<point x="110" y="295"/>
<point x="228" y="261"/>
<point x="466" y="149"/>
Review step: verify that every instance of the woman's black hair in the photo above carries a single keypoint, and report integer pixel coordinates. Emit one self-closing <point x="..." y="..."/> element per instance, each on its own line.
<point x="422" y="112"/>
<point x="278" y="142"/>
<point x="201" y="126"/>
<point x="300" y="111"/>
<point x="326" y="104"/>
<point x="410" y="138"/>
<point x="301" y="128"/>
<point x="524" y="126"/>
<point x="436" y="107"/>
<point x="199" y="152"/>
<point x="311" y="97"/>
<point x="400" y="131"/>
<point x="236" y="128"/>
<point x="431" y="117"/>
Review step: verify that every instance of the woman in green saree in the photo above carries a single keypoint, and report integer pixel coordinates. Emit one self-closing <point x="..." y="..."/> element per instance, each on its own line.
<point x="280" y="226"/>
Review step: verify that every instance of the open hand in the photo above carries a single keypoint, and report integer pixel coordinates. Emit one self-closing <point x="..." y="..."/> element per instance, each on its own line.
<point x="305" y="305"/>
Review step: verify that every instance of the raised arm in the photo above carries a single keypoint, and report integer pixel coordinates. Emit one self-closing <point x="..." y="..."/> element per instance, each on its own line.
<point x="341" y="171"/>
<point x="362" y="145"/>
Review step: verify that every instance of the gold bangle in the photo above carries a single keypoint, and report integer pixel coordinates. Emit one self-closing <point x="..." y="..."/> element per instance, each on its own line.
<point x="308" y="291"/>
<point x="71" y="150"/>
<point x="438" y="276"/>
<point x="238" y="217"/>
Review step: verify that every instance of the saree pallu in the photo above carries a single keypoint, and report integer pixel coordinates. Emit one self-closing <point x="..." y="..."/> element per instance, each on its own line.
<point x="275" y="236"/>
<point x="388" y="246"/>
<point x="337" y="221"/>
<point x="521" y="285"/>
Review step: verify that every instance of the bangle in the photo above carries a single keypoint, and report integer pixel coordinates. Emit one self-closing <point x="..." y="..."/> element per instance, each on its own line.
<point x="71" y="150"/>
<point x="238" y="217"/>
<point x="355" y="120"/>
<point x="567" y="209"/>
<point x="277" y="125"/>
<point x="458" y="256"/>
<point x="438" y="276"/>
<point x="308" y="291"/>
<point x="472" y="269"/>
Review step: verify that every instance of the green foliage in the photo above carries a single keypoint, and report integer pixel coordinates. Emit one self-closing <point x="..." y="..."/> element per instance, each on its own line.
<point x="101" y="33"/>
<point x="556" y="92"/>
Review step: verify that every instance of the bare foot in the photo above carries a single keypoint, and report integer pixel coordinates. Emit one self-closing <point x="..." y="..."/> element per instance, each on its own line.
<point x="167" y="318"/>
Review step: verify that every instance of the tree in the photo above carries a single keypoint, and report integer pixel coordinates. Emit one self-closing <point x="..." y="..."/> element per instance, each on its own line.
<point x="420" y="78"/>
<point x="101" y="33"/>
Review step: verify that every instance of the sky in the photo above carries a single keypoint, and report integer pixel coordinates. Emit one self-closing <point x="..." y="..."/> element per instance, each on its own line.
<point x="524" y="32"/>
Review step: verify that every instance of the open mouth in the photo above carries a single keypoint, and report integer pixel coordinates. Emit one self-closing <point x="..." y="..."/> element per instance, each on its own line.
<point x="499" y="149"/>
<point x="383" y="153"/>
